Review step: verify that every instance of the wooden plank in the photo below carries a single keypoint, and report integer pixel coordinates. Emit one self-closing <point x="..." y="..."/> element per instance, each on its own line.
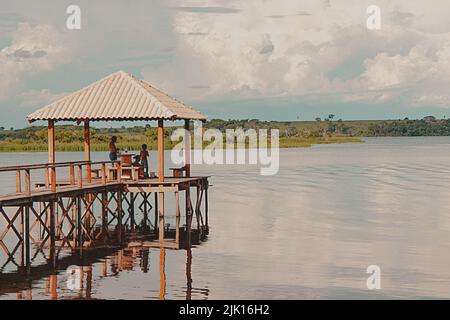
<point x="45" y="165"/>
<point x="151" y="189"/>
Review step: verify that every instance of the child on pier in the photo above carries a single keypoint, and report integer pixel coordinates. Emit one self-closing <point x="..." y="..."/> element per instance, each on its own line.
<point x="144" y="159"/>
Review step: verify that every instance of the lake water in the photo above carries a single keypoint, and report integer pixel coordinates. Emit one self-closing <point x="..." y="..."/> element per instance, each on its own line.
<point x="310" y="231"/>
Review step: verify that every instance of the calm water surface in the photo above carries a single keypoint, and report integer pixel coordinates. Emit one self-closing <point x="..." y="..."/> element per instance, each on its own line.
<point x="308" y="232"/>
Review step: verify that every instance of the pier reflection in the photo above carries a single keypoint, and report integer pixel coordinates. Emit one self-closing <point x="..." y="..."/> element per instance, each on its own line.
<point x="82" y="273"/>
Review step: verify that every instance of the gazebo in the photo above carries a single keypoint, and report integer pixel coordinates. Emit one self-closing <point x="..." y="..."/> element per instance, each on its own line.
<point x="117" y="97"/>
<point x="122" y="97"/>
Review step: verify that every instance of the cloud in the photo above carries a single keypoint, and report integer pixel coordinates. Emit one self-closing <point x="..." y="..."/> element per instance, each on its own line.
<point x="34" y="49"/>
<point x="311" y="48"/>
<point x="197" y="33"/>
<point x="217" y="50"/>
<point x="38" y="98"/>
<point x="218" y="10"/>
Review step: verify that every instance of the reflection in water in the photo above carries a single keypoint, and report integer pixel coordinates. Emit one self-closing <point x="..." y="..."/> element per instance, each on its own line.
<point x="308" y="232"/>
<point x="121" y="261"/>
<point x="188" y="274"/>
<point x="162" y="272"/>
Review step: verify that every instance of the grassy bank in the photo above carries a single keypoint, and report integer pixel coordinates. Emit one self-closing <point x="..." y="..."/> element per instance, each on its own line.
<point x="292" y="134"/>
<point x="13" y="146"/>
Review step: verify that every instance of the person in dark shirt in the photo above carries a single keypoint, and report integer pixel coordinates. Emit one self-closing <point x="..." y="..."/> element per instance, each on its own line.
<point x="113" y="149"/>
<point x="144" y="159"/>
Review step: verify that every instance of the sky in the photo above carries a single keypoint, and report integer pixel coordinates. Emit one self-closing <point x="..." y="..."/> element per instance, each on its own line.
<point x="266" y="59"/>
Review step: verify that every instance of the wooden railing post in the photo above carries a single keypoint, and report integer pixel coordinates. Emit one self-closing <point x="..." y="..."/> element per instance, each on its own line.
<point x="80" y="176"/>
<point x="119" y="171"/>
<point x="72" y="174"/>
<point x="27" y="182"/>
<point x="87" y="150"/>
<point x="103" y="173"/>
<point x="51" y="153"/>
<point x="53" y="175"/>
<point x="18" y="182"/>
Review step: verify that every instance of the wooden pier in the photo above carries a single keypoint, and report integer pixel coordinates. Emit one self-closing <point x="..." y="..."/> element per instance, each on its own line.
<point x="82" y="204"/>
<point x="80" y="212"/>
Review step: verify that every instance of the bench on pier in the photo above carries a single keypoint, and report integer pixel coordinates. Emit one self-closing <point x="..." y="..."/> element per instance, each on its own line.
<point x="178" y="172"/>
<point x="132" y="173"/>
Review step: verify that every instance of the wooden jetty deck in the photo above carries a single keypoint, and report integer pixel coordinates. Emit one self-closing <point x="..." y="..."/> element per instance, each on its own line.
<point x="81" y="211"/>
<point x="76" y="204"/>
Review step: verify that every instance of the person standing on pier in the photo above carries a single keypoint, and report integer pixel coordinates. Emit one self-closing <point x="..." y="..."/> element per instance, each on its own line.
<point x="144" y="159"/>
<point x="113" y="149"/>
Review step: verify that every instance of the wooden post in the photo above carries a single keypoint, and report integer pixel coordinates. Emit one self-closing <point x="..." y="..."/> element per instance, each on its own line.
<point x="161" y="216"/>
<point x="87" y="150"/>
<point x="79" y="222"/>
<point x="72" y="174"/>
<point x="27" y="238"/>
<point x="88" y="282"/>
<point x="206" y="205"/>
<point x="119" y="214"/>
<point x="162" y="273"/>
<point x="53" y="287"/>
<point x="103" y="174"/>
<point x="188" y="216"/>
<point x="161" y="150"/>
<point x="18" y="182"/>
<point x="52" y="227"/>
<point x="51" y="153"/>
<point x="104" y="215"/>
<point x="187" y="147"/>
<point x="187" y="141"/>
<point x="156" y="211"/>
<point x="22" y="237"/>
<point x="177" y="213"/>
<point x="161" y="178"/>
<point x="119" y="171"/>
<point x="80" y="176"/>
<point x="188" y="274"/>
<point x="27" y="182"/>
<point x="131" y="211"/>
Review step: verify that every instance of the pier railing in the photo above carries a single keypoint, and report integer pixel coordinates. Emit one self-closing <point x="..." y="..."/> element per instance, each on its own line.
<point x="74" y="177"/>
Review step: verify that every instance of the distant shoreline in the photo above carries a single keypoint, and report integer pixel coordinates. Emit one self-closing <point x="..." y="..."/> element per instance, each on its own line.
<point x="293" y="134"/>
<point x="284" y="144"/>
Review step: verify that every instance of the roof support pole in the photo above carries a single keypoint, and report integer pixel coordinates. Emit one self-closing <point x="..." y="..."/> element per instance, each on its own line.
<point x="87" y="150"/>
<point x="161" y="178"/>
<point x="51" y="153"/>
<point x="161" y="150"/>
<point x="187" y="147"/>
